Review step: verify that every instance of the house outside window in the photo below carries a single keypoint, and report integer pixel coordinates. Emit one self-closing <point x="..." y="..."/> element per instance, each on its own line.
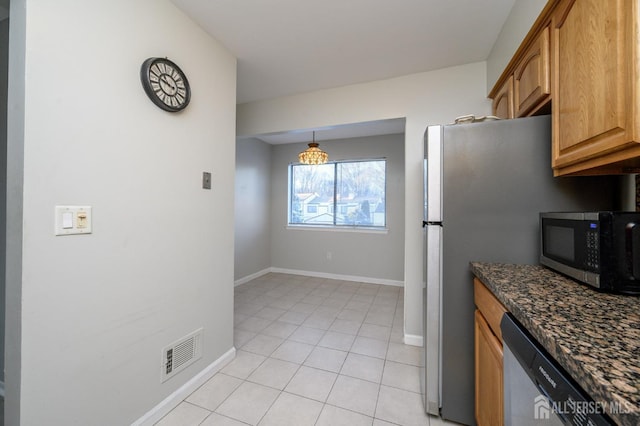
<point x="341" y="193"/>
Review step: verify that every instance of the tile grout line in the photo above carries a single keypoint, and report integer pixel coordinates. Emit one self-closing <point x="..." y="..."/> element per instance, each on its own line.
<point x="324" y="293"/>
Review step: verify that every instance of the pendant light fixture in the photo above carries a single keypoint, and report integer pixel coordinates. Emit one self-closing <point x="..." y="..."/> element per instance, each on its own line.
<point x="313" y="154"/>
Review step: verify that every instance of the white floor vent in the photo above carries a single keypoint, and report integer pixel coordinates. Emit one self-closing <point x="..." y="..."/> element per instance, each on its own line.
<point x="180" y="354"/>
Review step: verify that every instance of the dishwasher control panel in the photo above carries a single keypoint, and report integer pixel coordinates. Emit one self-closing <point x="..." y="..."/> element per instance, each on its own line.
<point x="550" y="394"/>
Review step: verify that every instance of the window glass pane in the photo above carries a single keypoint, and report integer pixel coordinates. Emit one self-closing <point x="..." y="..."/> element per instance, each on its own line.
<point x="359" y="198"/>
<point x="360" y="193"/>
<point x="312" y="194"/>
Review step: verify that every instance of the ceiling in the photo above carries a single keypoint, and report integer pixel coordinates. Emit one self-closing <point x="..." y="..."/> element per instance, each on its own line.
<point x="294" y="46"/>
<point x="345" y="131"/>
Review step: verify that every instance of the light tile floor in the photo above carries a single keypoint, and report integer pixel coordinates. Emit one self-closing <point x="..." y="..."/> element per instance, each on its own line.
<point x="313" y="351"/>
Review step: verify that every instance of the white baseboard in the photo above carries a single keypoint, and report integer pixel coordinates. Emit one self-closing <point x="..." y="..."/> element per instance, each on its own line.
<point x="413" y="340"/>
<point x="251" y="277"/>
<point x="370" y="280"/>
<point x="173" y="400"/>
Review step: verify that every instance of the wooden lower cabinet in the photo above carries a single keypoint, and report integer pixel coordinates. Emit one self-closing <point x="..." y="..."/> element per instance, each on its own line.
<point x="488" y="357"/>
<point x="488" y="381"/>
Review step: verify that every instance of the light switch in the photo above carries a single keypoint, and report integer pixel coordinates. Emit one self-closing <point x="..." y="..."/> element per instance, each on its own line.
<point x="67" y="220"/>
<point x="81" y="220"/>
<point x="70" y="220"/>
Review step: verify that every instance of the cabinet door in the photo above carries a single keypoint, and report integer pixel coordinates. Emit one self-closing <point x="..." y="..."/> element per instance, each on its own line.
<point x="531" y="83"/>
<point x="490" y="308"/>
<point x="596" y="64"/>
<point x="503" y="102"/>
<point x="489" y="386"/>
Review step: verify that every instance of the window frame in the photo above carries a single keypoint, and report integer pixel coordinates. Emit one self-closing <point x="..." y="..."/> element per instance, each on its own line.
<point x="334" y="207"/>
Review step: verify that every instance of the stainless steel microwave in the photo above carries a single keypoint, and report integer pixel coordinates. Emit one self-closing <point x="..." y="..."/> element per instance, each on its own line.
<point x="601" y="249"/>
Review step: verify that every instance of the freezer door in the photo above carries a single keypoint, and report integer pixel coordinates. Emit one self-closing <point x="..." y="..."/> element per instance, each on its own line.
<point x="432" y="319"/>
<point x="433" y="173"/>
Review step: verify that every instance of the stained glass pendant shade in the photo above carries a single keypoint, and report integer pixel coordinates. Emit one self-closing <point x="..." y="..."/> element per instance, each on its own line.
<point x="313" y="154"/>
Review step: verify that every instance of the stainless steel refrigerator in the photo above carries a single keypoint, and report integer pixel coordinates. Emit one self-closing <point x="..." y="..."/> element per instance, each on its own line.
<point x="485" y="184"/>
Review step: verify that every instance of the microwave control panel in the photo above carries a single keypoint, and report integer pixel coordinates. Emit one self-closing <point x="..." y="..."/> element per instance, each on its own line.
<point x="593" y="246"/>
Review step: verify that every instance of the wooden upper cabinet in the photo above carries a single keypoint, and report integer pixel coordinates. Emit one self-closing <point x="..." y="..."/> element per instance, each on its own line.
<point x="527" y="77"/>
<point x="595" y="89"/>
<point x="581" y="62"/>
<point x="531" y="82"/>
<point x="503" y="101"/>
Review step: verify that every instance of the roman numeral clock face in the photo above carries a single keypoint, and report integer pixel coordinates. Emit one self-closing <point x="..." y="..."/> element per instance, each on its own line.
<point x="165" y="84"/>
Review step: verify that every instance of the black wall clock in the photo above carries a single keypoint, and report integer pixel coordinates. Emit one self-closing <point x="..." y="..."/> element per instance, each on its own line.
<point x="165" y="84"/>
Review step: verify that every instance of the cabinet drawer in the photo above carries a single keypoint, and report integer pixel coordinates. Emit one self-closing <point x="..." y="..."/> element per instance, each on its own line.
<point x="489" y="306"/>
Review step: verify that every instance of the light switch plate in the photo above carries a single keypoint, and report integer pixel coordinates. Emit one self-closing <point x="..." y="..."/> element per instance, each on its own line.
<point x="73" y="220"/>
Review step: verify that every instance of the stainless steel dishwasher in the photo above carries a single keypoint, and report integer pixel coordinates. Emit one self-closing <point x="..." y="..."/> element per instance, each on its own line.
<point x="538" y="391"/>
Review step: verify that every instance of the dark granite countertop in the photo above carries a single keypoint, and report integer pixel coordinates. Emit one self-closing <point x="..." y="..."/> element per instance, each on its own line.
<point x="594" y="336"/>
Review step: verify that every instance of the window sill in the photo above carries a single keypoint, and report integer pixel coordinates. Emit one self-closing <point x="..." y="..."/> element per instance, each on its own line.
<point x="329" y="228"/>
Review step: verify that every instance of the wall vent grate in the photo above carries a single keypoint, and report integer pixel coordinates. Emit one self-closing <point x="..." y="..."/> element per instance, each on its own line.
<point x="181" y="353"/>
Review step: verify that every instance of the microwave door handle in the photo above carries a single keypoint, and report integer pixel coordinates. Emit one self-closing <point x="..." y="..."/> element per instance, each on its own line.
<point x="633" y="248"/>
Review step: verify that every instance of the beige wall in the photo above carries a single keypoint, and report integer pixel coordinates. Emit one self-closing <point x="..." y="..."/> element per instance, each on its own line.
<point x="90" y="314"/>
<point x="252" y="209"/>
<point x="377" y="257"/>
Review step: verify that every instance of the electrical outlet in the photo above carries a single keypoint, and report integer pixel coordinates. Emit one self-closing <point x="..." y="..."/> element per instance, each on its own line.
<point x="329" y="255"/>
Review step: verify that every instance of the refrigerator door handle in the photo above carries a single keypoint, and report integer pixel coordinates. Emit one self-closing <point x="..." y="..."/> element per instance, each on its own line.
<point x="433" y="165"/>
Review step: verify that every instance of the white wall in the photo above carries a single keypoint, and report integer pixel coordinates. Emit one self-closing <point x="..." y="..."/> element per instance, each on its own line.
<point x="89" y="315"/>
<point x="424" y="98"/>
<point x="378" y="256"/>
<point x="252" y="208"/>
<point x="522" y="16"/>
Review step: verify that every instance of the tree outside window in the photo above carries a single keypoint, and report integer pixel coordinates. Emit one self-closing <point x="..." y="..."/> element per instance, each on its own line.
<point x="344" y="193"/>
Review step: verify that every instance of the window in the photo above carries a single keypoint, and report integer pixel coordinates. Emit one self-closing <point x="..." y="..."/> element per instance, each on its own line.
<point x="354" y="190"/>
